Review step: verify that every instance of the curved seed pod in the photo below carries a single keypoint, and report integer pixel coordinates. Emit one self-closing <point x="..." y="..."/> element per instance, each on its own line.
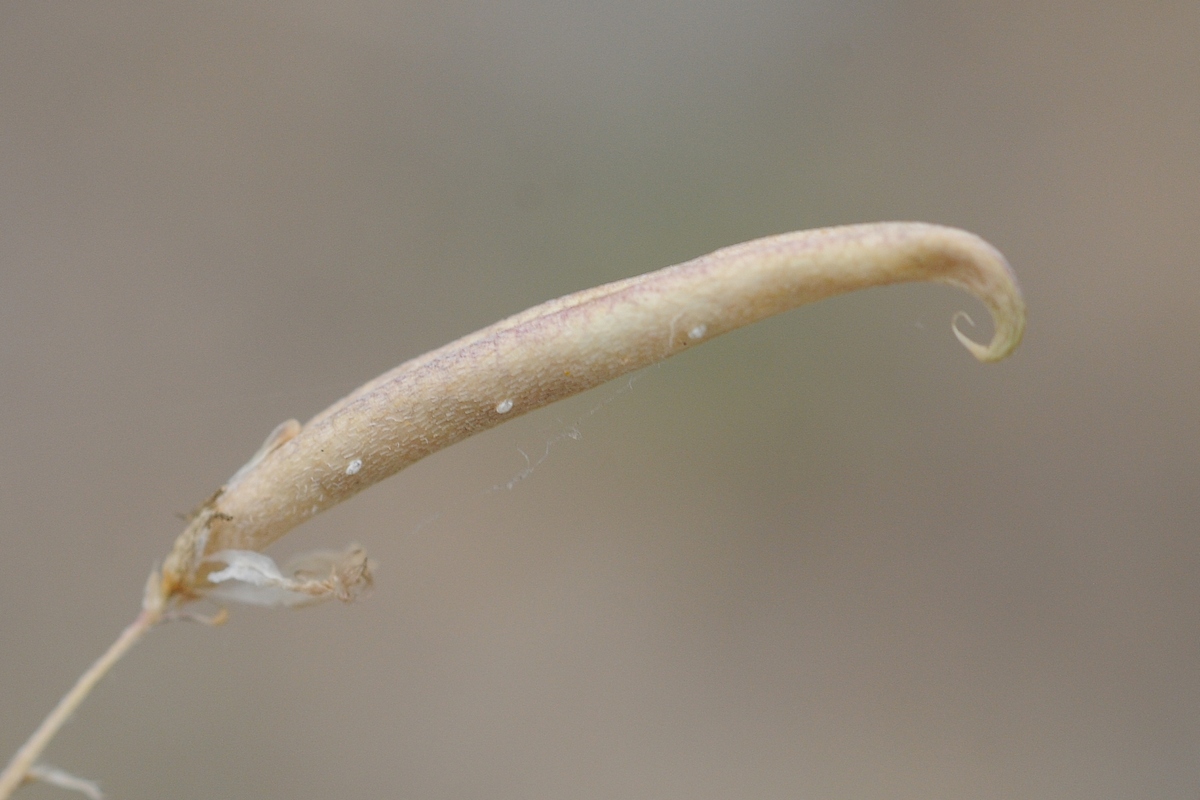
<point x="564" y="347"/>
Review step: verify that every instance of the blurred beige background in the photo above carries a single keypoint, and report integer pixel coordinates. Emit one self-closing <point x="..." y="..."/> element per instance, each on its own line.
<point x="826" y="557"/>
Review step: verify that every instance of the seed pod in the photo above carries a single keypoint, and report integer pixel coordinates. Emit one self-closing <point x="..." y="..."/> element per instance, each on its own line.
<point x="551" y="352"/>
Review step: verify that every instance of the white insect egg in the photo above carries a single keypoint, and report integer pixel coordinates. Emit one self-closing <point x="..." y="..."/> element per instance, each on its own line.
<point x="504" y="406"/>
<point x="354" y="466"/>
<point x="698" y="331"/>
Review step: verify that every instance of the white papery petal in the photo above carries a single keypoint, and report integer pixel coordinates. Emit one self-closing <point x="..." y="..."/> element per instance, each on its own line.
<point x="247" y="566"/>
<point x="254" y="579"/>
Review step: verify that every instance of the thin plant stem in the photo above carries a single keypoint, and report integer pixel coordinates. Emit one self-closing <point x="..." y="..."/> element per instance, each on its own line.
<point x="18" y="769"/>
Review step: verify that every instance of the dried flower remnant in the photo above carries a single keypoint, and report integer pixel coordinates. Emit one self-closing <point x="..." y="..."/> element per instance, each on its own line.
<point x="527" y="361"/>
